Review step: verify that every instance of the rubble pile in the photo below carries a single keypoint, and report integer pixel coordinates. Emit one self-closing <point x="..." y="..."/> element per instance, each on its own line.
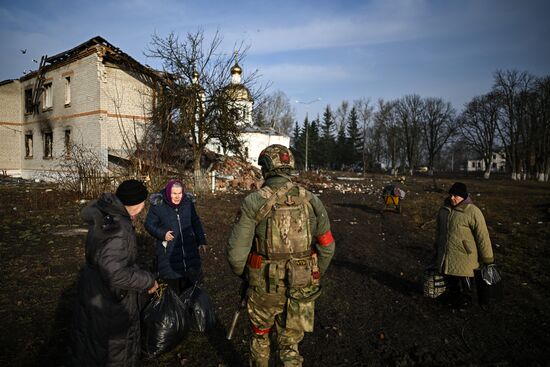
<point x="235" y="174"/>
<point x="318" y="182"/>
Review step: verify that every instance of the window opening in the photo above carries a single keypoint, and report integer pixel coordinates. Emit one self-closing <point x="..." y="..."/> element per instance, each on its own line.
<point x="48" y="96"/>
<point x="28" y="145"/>
<point x="67" y="90"/>
<point x="67" y="143"/>
<point x="28" y="100"/>
<point x="48" y="144"/>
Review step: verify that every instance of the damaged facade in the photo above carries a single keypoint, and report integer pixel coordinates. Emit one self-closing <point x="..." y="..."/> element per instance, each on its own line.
<point x="93" y="95"/>
<point x="97" y="97"/>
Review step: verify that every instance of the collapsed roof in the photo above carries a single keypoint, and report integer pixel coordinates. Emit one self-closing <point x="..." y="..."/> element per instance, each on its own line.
<point x="108" y="51"/>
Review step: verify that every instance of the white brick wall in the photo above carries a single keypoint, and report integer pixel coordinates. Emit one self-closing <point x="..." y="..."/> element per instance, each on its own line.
<point x="80" y="116"/>
<point x="10" y="126"/>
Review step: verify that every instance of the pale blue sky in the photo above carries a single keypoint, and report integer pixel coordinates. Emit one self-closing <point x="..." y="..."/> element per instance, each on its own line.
<point x="332" y="50"/>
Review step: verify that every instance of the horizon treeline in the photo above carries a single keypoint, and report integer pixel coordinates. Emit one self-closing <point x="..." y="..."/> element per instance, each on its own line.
<point x="400" y="135"/>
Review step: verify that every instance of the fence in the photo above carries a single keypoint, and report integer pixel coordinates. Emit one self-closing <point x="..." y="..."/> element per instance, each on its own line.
<point x="93" y="186"/>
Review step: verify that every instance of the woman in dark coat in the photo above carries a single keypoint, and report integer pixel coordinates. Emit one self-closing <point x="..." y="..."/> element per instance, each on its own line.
<point x="173" y="221"/>
<point x="106" y="321"/>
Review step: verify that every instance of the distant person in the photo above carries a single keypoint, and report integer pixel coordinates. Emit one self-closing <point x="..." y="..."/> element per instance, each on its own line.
<point x="106" y="320"/>
<point x="281" y="246"/>
<point x="462" y="244"/>
<point x="173" y="221"/>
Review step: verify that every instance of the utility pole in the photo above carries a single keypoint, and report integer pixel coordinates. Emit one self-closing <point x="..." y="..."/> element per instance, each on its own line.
<point x="307" y="141"/>
<point x="307" y="128"/>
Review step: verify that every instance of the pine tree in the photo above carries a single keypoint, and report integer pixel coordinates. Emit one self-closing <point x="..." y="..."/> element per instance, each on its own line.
<point x="327" y="141"/>
<point x="355" y="136"/>
<point x="315" y="148"/>
<point x="298" y="145"/>
<point x="342" y="151"/>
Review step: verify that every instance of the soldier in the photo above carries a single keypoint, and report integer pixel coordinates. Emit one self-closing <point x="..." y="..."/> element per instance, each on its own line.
<point x="281" y="245"/>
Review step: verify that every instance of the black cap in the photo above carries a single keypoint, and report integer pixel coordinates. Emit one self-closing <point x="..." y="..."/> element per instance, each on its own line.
<point x="131" y="192"/>
<point x="459" y="189"/>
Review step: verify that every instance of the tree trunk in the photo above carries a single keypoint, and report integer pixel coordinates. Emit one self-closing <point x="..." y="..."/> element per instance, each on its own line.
<point x="197" y="173"/>
<point x="487" y="172"/>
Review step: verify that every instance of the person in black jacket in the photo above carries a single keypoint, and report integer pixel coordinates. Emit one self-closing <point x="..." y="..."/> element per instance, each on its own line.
<point x="106" y="327"/>
<point x="173" y="221"/>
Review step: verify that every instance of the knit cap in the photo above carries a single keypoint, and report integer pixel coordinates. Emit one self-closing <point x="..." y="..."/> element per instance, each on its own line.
<point x="131" y="192"/>
<point x="459" y="189"/>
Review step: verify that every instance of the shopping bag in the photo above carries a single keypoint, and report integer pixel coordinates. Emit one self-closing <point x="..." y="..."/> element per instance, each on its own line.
<point x="164" y="322"/>
<point x="488" y="284"/>
<point x="200" y="308"/>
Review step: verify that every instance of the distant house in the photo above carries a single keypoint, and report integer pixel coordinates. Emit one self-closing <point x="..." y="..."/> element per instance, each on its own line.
<point x="93" y="95"/>
<point x="498" y="163"/>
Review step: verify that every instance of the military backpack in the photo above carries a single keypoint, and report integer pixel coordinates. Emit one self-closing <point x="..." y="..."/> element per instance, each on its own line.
<point x="288" y="234"/>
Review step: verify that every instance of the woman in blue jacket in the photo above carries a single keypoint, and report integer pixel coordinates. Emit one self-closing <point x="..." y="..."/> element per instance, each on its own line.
<point x="173" y="221"/>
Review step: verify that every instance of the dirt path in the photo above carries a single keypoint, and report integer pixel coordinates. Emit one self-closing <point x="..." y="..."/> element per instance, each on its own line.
<point x="371" y="313"/>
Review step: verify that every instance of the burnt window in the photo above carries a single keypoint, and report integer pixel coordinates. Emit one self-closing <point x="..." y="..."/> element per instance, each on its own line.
<point x="28" y="100"/>
<point x="28" y="144"/>
<point x="67" y="143"/>
<point x="48" y="144"/>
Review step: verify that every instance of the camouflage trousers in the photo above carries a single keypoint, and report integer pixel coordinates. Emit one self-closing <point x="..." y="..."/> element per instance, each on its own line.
<point x="291" y="316"/>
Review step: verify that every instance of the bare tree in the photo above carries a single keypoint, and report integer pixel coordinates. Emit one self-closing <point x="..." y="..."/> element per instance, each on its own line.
<point x="437" y="124"/>
<point x="478" y="125"/>
<point x="542" y="128"/>
<point x="364" y="111"/>
<point x="276" y="112"/>
<point x="386" y="138"/>
<point x="81" y="169"/>
<point x="341" y="115"/>
<point x="409" y="112"/>
<point x="196" y="104"/>
<point x="512" y="87"/>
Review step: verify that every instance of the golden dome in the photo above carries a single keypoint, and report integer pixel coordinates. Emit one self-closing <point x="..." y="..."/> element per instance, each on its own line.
<point x="238" y="92"/>
<point x="236" y="69"/>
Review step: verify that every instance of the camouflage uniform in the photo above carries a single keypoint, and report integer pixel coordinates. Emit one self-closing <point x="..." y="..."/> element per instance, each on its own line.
<point x="273" y="298"/>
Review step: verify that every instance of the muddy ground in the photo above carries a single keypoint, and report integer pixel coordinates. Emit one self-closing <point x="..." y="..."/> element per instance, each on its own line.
<point x="372" y="312"/>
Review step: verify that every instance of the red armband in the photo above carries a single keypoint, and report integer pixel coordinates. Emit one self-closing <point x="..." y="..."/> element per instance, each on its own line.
<point x="325" y="239"/>
<point x="259" y="331"/>
<point x="254" y="260"/>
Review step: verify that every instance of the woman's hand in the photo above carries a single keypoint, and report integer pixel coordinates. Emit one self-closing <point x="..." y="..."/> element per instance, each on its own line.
<point x="169" y="236"/>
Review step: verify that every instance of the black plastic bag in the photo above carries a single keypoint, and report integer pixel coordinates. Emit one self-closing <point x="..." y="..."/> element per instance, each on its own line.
<point x="199" y="308"/>
<point x="164" y="322"/>
<point x="488" y="284"/>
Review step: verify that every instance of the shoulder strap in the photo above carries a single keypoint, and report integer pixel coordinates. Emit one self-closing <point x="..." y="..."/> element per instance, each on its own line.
<point x="272" y="200"/>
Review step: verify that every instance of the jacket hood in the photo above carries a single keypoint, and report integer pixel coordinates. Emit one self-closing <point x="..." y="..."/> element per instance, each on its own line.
<point x="107" y="205"/>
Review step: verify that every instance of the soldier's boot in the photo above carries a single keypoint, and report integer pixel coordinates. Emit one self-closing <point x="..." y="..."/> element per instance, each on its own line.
<point x="287" y="341"/>
<point x="259" y="350"/>
<point x="290" y="356"/>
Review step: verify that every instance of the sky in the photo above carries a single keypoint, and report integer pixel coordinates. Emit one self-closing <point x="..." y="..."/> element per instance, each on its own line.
<point x="318" y="52"/>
